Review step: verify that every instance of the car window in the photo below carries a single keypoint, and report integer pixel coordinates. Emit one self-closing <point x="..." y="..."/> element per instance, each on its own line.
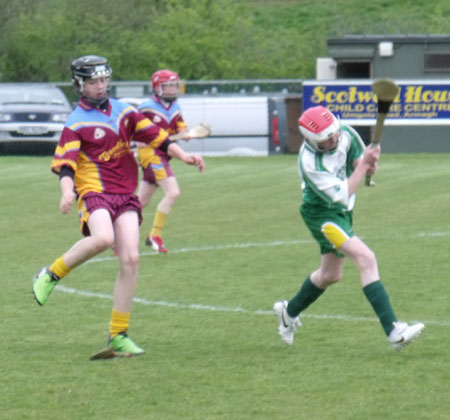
<point x="19" y="95"/>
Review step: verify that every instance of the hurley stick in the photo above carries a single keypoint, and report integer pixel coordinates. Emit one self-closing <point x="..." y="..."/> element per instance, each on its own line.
<point x="386" y="91"/>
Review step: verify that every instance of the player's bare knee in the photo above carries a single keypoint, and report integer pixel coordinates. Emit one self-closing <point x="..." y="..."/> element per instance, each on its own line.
<point x="366" y="259"/>
<point x="173" y="195"/>
<point x="330" y="278"/>
<point x="334" y="279"/>
<point x="102" y="243"/>
<point x="130" y="259"/>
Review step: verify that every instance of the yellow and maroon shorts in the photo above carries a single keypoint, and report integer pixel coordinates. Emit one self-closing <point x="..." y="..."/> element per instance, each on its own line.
<point x="116" y="204"/>
<point x="155" y="165"/>
<point x="157" y="171"/>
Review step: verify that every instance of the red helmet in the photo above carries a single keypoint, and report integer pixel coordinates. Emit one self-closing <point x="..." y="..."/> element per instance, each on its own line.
<point x="318" y="125"/>
<point x="163" y="78"/>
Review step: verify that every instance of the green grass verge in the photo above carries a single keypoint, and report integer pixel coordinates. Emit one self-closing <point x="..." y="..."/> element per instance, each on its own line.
<point x="237" y="244"/>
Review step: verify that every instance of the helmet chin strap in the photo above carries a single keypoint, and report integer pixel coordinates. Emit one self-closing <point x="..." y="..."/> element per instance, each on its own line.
<point x="96" y="101"/>
<point x="166" y="101"/>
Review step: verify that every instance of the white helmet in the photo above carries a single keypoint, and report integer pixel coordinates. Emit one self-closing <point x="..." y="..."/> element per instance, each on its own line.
<point x="318" y="125"/>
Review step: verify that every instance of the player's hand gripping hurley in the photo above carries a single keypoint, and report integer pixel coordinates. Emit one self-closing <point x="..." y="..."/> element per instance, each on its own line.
<point x="386" y="91"/>
<point x="200" y="131"/>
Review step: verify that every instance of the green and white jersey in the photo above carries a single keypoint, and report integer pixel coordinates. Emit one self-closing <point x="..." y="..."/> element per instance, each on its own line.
<point x="324" y="174"/>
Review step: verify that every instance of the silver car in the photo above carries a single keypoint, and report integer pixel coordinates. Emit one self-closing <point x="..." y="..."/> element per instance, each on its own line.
<point x="32" y="112"/>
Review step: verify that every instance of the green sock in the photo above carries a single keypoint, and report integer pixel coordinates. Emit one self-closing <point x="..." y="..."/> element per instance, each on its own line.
<point x="307" y="294"/>
<point x="377" y="295"/>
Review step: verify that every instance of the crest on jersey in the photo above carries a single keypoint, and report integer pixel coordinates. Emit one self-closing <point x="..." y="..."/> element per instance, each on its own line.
<point x="156" y="119"/>
<point x="99" y="133"/>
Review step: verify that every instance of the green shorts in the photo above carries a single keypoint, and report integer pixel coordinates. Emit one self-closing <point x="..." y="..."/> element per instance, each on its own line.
<point x="330" y="228"/>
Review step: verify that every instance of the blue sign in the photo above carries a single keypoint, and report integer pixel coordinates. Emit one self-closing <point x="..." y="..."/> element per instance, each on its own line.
<point x="419" y="102"/>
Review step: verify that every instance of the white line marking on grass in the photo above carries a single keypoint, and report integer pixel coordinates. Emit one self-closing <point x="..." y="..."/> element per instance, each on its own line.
<point x="200" y="307"/>
<point x="432" y="234"/>
<point x="212" y="248"/>
<point x="195" y="306"/>
<point x="250" y="245"/>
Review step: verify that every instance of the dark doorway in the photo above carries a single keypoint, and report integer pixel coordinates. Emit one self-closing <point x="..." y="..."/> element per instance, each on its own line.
<point x="353" y="70"/>
<point x="365" y="132"/>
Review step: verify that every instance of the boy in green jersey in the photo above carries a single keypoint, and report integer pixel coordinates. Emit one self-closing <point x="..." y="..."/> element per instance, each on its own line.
<point x="332" y="162"/>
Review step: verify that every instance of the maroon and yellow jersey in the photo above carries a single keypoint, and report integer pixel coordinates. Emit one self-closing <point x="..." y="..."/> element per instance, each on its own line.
<point x="96" y="145"/>
<point x="170" y="119"/>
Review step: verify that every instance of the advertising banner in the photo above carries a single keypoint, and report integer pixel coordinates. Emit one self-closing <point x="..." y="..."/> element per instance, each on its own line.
<point x="419" y="101"/>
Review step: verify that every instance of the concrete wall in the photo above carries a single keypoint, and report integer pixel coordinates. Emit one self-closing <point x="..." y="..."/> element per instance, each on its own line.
<point x="418" y="139"/>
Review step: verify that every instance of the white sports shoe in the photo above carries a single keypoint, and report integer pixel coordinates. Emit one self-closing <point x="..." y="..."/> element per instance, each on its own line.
<point x="288" y="325"/>
<point x="404" y="334"/>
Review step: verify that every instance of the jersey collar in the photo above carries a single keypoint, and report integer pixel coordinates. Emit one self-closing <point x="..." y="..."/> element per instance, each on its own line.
<point x="105" y="106"/>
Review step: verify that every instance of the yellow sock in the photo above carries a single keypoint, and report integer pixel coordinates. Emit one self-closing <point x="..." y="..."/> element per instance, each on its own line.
<point x="59" y="268"/>
<point x="119" y="322"/>
<point x="158" y="223"/>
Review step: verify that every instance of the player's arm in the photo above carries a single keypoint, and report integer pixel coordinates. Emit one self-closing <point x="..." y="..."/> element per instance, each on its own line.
<point x="327" y="185"/>
<point x="176" y="151"/>
<point x="367" y="163"/>
<point x="64" y="164"/>
<point x="146" y="112"/>
<point x="146" y="132"/>
<point x="66" y="182"/>
<point x="158" y="138"/>
<point x="360" y="159"/>
<point x="184" y="135"/>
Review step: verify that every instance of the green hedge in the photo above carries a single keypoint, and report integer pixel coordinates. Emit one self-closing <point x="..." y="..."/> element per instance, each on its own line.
<point x="200" y="39"/>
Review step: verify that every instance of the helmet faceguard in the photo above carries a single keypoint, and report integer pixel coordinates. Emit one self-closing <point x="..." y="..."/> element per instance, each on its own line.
<point x="318" y="125"/>
<point x="90" y="67"/>
<point x="166" y="85"/>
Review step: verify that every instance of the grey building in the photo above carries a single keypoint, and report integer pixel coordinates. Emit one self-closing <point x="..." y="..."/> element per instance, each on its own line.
<point x="424" y="59"/>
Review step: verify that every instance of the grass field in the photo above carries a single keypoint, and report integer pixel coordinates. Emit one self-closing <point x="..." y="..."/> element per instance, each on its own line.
<point x="203" y="312"/>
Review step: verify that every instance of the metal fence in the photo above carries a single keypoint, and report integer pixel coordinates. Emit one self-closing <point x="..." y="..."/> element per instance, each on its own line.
<point x="245" y="87"/>
<point x="247" y="117"/>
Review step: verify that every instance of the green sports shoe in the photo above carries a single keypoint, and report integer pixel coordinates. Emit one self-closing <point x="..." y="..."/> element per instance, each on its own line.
<point x="44" y="284"/>
<point x="123" y="344"/>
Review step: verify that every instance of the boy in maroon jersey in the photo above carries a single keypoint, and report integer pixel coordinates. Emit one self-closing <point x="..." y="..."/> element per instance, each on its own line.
<point x="95" y="164"/>
<point x="163" y="110"/>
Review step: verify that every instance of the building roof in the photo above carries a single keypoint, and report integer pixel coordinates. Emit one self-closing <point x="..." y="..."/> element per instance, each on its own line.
<point x="404" y="39"/>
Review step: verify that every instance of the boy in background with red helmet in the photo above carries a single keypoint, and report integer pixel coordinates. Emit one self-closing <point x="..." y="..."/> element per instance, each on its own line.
<point x="163" y="110"/>
<point x="332" y="162"/>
